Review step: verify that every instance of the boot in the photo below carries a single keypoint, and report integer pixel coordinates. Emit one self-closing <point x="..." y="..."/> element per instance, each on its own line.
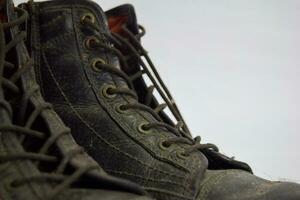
<point x="123" y="24"/>
<point x="79" y="65"/>
<point x="39" y="158"/>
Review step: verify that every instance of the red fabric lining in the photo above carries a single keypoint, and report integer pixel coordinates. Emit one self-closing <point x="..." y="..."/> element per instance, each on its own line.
<point x="115" y="23"/>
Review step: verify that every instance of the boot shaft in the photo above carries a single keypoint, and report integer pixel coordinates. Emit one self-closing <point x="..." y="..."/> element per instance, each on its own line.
<point x="63" y="35"/>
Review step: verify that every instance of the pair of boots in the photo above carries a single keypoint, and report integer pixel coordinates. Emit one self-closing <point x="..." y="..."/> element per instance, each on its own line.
<point x="91" y="67"/>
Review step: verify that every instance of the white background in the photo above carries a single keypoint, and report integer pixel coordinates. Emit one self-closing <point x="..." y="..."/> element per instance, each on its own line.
<point x="233" y="67"/>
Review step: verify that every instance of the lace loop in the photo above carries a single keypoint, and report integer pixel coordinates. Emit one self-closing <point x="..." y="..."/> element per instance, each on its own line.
<point x="27" y="156"/>
<point x="22" y="130"/>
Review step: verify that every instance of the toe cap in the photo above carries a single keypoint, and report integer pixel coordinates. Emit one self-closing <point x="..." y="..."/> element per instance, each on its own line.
<point x="240" y="185"/>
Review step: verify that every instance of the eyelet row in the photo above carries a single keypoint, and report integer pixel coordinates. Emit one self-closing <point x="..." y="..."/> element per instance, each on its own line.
<point x="90" y="41"/>
<point x="97" y="62"/>
<point x="142" y="128"/>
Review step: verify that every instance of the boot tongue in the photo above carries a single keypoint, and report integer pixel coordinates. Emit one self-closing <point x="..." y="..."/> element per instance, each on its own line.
<point x="118" y="17"/>
<point x="122" y="15"/>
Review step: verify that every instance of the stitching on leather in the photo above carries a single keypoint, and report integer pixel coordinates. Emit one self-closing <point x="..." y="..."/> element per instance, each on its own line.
<point x="143" y="178"/>
<point x="153" y="151"/>
<point x="95" y="132"/>
<point x="149" y="148"/>
<point x="55" y="40"/>
<point x="36" y="41"/>
<point x="128" y="129"/>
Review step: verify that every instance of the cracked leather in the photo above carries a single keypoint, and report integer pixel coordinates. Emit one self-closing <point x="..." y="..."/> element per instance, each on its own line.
<point x="63" y="69"/>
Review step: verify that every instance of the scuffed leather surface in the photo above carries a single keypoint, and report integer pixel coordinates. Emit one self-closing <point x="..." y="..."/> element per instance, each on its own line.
<point x="240" y="185"/>
<point x="67" y="81"/>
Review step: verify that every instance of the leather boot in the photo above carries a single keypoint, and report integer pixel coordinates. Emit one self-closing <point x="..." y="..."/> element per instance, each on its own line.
<point x="218" y="184"/>
<point x="39" y="158"/>
<point x="79" y="65"/>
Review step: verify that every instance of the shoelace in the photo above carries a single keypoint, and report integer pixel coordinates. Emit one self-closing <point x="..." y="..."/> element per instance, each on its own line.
<point x="182" y="136"/>
<point x="58" y="176"/>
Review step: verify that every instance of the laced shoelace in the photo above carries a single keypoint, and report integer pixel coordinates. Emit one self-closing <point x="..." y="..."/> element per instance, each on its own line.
<point x="117" y="44"/>
<point x="63" y="181"/>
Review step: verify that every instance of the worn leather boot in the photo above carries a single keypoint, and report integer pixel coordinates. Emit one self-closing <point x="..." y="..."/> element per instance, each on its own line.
<point x="39" y="158"/>
<point x="123" y="24"/>
<point x="79" y="65"/>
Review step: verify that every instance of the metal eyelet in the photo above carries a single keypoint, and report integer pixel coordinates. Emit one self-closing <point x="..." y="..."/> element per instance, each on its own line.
<point x="182" y="155"/>
<point x="106" y="93"/>
<point x="120" y="109"/>
<point x="90" y="41"/>
<point x="87" y="16"/>
<point x="143" y="129"/>
<point x="162" y="145"/>
<point x="96" y="62"/>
